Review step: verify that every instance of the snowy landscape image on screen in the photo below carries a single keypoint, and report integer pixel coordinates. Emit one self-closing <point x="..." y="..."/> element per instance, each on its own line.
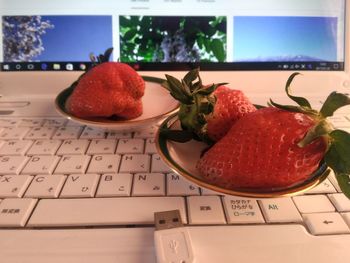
<point x="284" y="38"/>
<point x="54" y="38"/>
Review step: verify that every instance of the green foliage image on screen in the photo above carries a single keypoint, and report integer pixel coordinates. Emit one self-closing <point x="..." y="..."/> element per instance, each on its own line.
<point x="172" y="39"/>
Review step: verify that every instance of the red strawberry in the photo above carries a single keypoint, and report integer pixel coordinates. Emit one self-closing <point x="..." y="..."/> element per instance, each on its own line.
<point x="230" y="106"/>
<point x="110" y="88"/>
<point x="209" y="111"/>
<point x="280" y="146"/>
<point x="261" y="151"/>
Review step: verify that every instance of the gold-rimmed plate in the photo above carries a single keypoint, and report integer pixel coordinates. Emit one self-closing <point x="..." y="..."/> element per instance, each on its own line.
<point x="183" y="157"/>
<point x="157" y="105"/>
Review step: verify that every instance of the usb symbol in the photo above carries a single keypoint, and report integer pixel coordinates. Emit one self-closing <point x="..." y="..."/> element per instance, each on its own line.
<point x="173" y="245"/>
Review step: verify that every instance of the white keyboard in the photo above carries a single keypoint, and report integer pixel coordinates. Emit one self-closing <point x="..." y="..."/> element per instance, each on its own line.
<point x="57" y="174"/>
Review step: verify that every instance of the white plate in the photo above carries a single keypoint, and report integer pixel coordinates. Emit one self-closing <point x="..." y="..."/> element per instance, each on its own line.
<point x="183" y="157"/>
<point x="157" y="105"/>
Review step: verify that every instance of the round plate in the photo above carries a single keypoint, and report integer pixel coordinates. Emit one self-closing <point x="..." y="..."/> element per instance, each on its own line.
<point x="183" y="157"/>
<point x="157" y="105"/>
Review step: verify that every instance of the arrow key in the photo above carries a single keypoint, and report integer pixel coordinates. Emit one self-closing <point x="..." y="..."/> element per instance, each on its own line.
<point x="326" y="224"/>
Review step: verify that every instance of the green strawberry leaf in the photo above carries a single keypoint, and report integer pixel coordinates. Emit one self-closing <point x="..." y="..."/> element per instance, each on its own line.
<point x="176" y="90"/>
<point x="293" y="108"/>
<point x="338" y="158"/>
<point x="338" y="154"/>
<point x="107" y="54"/>
<point x="176" y="135"/>
<point x="333" y="102"/>
<point x="186" y="89"/>
<point x="191" y="75"/>
<point x="160" y="81"/>
<point x="209" y="89"/>
<point x="299" y="100"/>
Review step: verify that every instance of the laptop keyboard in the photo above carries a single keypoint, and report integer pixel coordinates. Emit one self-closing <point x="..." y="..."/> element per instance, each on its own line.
<point x="56" y="174"/>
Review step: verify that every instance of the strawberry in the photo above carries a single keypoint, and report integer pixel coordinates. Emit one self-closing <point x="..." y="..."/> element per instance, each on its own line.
<point x="108" y="89"/>
<point x="207" y="112"/>
<point x="280" y="146"/>
<point x="230" y="106"/>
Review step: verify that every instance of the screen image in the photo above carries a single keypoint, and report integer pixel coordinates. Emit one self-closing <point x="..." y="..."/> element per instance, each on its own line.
<point x="54" y="38"/>
<point x="174" y="35"/>
<point x="172" y="39"/>
<point x="285" y="38"/>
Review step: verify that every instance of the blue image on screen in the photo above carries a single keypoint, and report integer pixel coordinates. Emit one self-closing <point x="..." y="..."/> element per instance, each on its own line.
<point x="73" y="38"/>
<point x="55" y="38"/>
<point x="277" y="38"/>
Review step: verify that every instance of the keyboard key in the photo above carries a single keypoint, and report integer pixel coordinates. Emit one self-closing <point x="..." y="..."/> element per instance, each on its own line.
<point x="9" y="122"/>
<point x="72" y="164"/>
<point x="102" y="146"/>
<point x="146" y="133"/>
<point x="15" y="147"/>
<point x="313" y="204"/>
<point x="80" y="186"/>
<point x="323" y="188"/>
<point x="340" y="201"/>
<point x="177" y="185"/>
<point x="130" y="146"/>
<point x="242" y="210"/>
<point x="152" y="184"/>
<point x="150" y="146"/>
<point x="114" y="185"/>
<point x="67" y="132"/>
<point x="206" y="191"/>
<point x="326" y="223"/>
<point x="104" y="163"/>
<point x="204" y="210"/>
<point x="73" y="147"/>
<point x="44" y="147"/>
<point x="119" y="135"/>
<point x="14" y="185"/>
<point x="44" y="164"/>
<point x="346" y="217"/>
<point x="12" y="164"/>
<point x="54" y="122"/>
<point x="93" y="133"/>
<point x="30" y="123"/>
<point x="38" y="133"/>
<point x="279" y="210"/>
<point x="158" y="166"/>
<point x="339" y="121"/>
<point x="103" y="211"/>
<point x="14" y="133"/>
<point x="14" y="212"/>
<point x="334" y="181"/>
<point x="46" y="186"/>
<point x="135" y="163"/>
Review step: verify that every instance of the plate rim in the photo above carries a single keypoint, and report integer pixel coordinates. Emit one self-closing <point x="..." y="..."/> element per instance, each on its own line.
<point x="59" y="101"/>
<point x="161" y="144"/>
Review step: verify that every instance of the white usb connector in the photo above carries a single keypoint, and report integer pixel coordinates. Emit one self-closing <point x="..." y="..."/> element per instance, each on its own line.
<point x="172" y="239"/>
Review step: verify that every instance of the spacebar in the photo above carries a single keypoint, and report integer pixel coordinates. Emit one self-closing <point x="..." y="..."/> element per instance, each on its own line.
<point x="102" y="211"/>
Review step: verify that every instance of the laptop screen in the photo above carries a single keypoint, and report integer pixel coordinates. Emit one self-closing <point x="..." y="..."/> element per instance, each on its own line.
<point x="39" y="35"/>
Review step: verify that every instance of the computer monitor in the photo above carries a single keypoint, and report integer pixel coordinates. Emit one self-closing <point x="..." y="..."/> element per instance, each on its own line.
<point x="253" y="45"/>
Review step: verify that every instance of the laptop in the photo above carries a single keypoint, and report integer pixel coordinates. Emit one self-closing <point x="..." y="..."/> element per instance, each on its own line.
<point x="50" y="212"/>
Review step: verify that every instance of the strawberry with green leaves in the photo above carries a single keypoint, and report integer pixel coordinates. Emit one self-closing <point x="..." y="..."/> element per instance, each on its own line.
<point x="107" y="89"/>
<point x="280" y="146"/>
<point x="206" y="112"/>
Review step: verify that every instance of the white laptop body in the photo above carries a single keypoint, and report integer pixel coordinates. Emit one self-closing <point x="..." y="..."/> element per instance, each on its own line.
<point x="26" y="94"/>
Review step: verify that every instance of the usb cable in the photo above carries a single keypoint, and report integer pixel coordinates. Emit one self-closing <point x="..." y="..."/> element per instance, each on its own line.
<point x="171" y="238"/>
